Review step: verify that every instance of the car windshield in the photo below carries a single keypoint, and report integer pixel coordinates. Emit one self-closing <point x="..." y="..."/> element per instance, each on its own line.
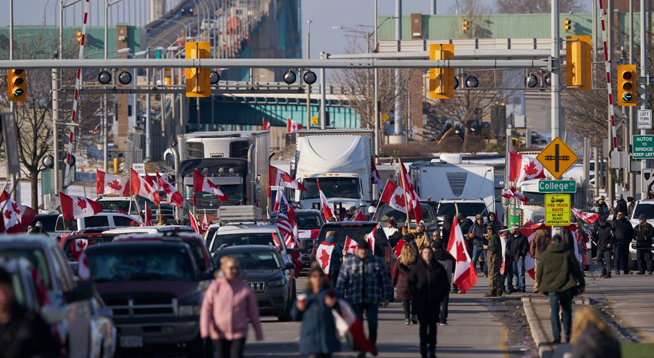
<point x="386" y="212"/>
<point x="37" y="258"/>
<point x="644" y="209"/>
<point x="140" y="263"/>
<point x="332" y="188"/>
<point x="236" y="239"/>
<point x="467" y="209"/>
<point x="308" y="221"/>
<point x="264" y="260"/>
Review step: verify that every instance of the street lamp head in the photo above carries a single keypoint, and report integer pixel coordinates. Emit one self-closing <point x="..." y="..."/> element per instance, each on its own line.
<point x="309" y="21"/>
<point x="141" y="53"/>
<point x="124" y="50"/>
<point x="338" y="27"/>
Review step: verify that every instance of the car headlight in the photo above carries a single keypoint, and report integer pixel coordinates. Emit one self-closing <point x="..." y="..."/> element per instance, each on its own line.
<point x="189" y="310"/>
<point x="190" y="305"/>
<point x="277" y="283"/>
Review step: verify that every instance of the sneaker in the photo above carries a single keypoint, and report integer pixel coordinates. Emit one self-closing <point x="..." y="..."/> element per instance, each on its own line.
<point x="443" y="323"/>
<point x="640" y="273"/>
<point x="407" y="322"/>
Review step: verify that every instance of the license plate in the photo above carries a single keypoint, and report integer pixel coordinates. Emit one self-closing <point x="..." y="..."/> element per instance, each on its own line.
<point x="131" y="341"/>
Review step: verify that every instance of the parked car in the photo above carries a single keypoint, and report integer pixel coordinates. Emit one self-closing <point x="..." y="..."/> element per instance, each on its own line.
<point x="103" y="219"/>
<point x="125" y="205"/>
<point x="154" y="290"/>
<point x="264" y="268"/>
<point x="198" y="247"/>
<point x="239" y="234"/>
<point x="643" y="207"/>
<point x="80" y="319"/>
<point x="358" y="230"/>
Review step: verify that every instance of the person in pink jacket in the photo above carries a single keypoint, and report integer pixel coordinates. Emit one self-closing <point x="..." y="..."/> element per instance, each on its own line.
<point x="227" y="306"/>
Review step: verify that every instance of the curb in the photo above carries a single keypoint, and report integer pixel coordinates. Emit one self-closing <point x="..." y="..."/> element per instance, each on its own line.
<point x="537" y="333"/>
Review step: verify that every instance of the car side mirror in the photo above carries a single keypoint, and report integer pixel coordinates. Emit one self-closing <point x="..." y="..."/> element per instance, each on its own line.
<point x="83" y="291"/>
<point x="53" y="315"/>
<point x="289" y="266"/>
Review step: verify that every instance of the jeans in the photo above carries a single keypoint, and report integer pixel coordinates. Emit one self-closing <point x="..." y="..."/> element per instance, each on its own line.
<point x="644" y="260"/>
<point x="564" y="300"/>
<point x="444" y="309"/>
<point x="604" y="261"/>
<point x="409" y="309"/>
<point x="519" y="274"/>
<point x="428" y="318"/>
<point x="372" y="313"/>
<point x="476" y="252"/>
<point x="622" y="257"/>
<point x="229" y="349"/>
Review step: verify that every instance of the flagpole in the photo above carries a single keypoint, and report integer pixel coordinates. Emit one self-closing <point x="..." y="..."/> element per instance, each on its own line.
<point x="406" y="202"/>
<point x="160" y="217"/>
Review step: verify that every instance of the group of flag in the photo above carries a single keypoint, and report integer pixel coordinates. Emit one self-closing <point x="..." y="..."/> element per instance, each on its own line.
<point x="291" y="125"/>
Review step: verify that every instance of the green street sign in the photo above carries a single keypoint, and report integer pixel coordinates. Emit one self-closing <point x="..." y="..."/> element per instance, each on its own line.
<point x="643" y="147"/>
<point x="557" y="186"/>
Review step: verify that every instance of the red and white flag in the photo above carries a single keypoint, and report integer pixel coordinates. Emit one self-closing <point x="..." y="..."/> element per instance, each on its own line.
<point x="14" y="216"/>
<point x="371" y="239"/>
<point x="278" y="177"/>
<point x="83" y="270"/>
<point x="588" y="218"/>
<point x="393" y="196"/>
<point x="111" y="184"/>
<point x="74" y="207"/>
<point x="195" y="225"/>
<point x="140" y="186"/>
<point x="465" y="275"/>
<point x="205" y="222"/>
<point x="358" y="216"/>
<point x="286" y="222"/>
<point x="349" y="325"/>
<point x="411" y="194"/>
<point x="78" y="247"/>
<point x="171" y="192"/>
<point x="148" y="216"/>
<point x="375" y="178"/>
<point x="324" y="254"/>
<point x="512" y="192"/>
<point x="327" y="212"/>
<point x="292" y="126"/>
<point x="530" y="231"/>
<point x="524" y="167"/>
<point x="202" y="184"/>
<point x="351" y="245"/>
<point x="151" y="182"/>
<point x="265" y="125"/>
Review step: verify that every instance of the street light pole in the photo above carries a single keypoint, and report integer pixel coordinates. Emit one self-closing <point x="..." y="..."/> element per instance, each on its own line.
<point x="398" y="73"/>
<point x="308" y="85"/>
<point x="555" y="90"/>
<point x="376" y="82"/>
<point x="643" y="87"/>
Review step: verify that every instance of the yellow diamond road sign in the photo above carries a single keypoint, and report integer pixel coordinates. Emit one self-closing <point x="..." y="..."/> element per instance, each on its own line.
<point x="557" y="158"/>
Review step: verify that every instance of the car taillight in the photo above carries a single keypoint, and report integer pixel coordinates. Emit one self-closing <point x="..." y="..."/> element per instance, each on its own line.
<point x="387" y="255"/>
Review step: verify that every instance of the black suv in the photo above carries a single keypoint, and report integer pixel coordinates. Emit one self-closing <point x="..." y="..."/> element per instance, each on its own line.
<point x="264" y="270"/>
<point x="154" y="292"/>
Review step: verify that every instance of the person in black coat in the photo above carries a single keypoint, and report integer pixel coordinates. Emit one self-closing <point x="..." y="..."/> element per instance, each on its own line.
<point x="22" y="333"/>
<point x="447" y="226"/>
<point x="624" y="233"/>
<point x="620" y="206"/>
<point x="643" y="233"/>
<point x="605" y="242"/>
<point x="397" y="235"/>
<point x="429" y="284"/>
<point x="518" y="247"/>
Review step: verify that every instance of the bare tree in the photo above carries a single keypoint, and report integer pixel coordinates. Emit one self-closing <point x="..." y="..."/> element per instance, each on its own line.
<point x="536" y="6"/>
<point x="34" y="116"/>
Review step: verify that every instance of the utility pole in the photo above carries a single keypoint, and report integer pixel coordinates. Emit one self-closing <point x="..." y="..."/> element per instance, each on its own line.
<point x="148" y="120"/>
<point x="555" y="90"/>
<point x="105" y="155"/>
<point x="398" y="74"/>
<point x="55" y="128"/>
<point x="376" y="84"/>
<point x="643" y="87"/>
<point x="308" y="85"/>
<point x="629" y="138"/>
<point x="14" y="189"/>
<point x="323" y="95"/>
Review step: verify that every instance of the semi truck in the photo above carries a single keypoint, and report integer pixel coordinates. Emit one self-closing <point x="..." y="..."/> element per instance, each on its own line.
<point x="339" y="161"/>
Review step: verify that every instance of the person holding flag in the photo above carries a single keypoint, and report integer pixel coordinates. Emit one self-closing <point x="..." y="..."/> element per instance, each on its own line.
<point x="335" y="259"/>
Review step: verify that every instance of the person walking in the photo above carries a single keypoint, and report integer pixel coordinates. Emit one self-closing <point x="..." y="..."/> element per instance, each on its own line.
<point x="592" y="337"/>
<point x="429" y="285"/>
<point x="22" y="333"/>
<point x="477" y="234"/>
<point x="364" y="283"/>
<point x="448" y="262"/>
<point x="624" y="233"/>
<point x="519" y="246"/>
<point x="644" y="233"/>
<point x="560" y="278"/>
<point x="538" y="245"/>
<point x="422" y="239"/>
<point x="336" y="257"/>
<point x="400" y="282"/>
<point x="318" y="335"/>
<point x="228" y="305"/>
<point x="605" y="242"/>
<point x="494" y="263"/>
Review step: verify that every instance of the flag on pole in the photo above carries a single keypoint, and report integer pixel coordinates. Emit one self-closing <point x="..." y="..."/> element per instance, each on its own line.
<point x="15" y="216"/>
<point x="292" y="126"/>
<point x="588" y="218"/>
<point x="171" y="192"/>
<point x="327" y="212"/>
<point x="375" y="178"/>
<point x="202" y="184"/>
<point x="393" y="196"/>
<point x="195" y="225"/>
<point x="110" y="184"/>
<point x="351" y="245"/>
<point x="265" y="125"/>
<point x="412" y="196"/>
<point x="142" y="188"/>
<point x="349" y="326"/>
<point x="148" y="216"/>
<point x="524" y="167"/>
<point x="371" y="239"/>
<point x="74" y="207"/>
<point x="205" y="222"/>
<point x="512" y="192"/>
<point x="465" y="275"/>
<point x="286" y="222"/>
<point x="278" y="177"/>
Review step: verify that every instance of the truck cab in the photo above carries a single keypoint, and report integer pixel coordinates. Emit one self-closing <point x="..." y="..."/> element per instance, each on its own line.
<point x="535" y="190"/>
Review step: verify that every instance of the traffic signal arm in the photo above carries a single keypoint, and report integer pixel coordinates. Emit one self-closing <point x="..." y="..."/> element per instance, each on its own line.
<point x="441" y="80"/>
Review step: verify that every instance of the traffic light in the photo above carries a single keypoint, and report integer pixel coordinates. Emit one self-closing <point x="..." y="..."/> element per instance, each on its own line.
<point x="465" y="25"/>
<point x="567" y="25"/>
<point x="79" y="36"/>
<point x="198" y="79"/>
<point x="16" y="84"/>
<point x="441" y="80"/>
<point x="627" y="84"/>
<point x="578" y="68"/>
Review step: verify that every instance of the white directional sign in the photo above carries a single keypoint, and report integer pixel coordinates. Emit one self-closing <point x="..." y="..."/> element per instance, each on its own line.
<point x="644" y="119"/>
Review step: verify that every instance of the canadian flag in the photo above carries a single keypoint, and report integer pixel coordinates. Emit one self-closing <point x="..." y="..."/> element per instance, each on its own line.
<point x="588" y="218"/>
<point x="171" y="192"/>
<point x="375" y="178"/>
<point x="202" y="184"/>
<point x="411" y="194"/>
<point x="326" y="210"/>
<point x="151" y="182"/>
<point x="83" y="269"/>
<point x="148" y="216"/>
<point x="351" y="245"/>
<point x="74" y="207"/>
<point x="324" y="254"/>
<point x="524" y="167"/>
<point x="140" y="186"/>
<point x="195" y="225"/>
<point x="266" y="125"/>
<point x="530" y="231"/>
<point x="279" y="177"/>
<point x="348" y="325"/>
<point x="370" y="238"/>
<point x="292" y="126"/>
<point x="358" y="216"/>
<point x="110" y="184"/>
<point x="78" y="247"/>
<point x="465" y="275"/>
<point x="14" y="215"/>
<point x="512" y="192"/>
<point x="393" y="195"/>
<point x="205" y="222"/>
